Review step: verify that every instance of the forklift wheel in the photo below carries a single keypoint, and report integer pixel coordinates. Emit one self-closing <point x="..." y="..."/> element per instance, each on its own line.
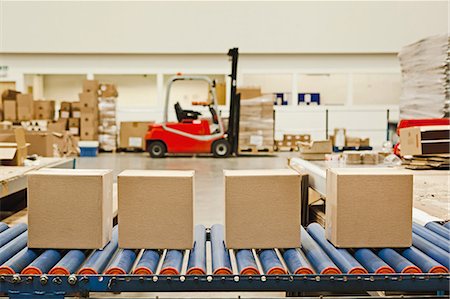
<point x="157" y="149"/>
<point x="221" y="148"/>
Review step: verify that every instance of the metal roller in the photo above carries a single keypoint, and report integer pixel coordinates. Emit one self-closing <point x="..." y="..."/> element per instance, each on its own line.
<point x="246" y="262"/>
<point x="122" y="262"/>
<point x="13" y="247"/>
<point x="18" y="262"/>
<point x="318" y="258"/>
<point x="3" y="226"/>
<point x="172" y="263"/>
<point x="423" y="261"/>
<point x="341" y="257"/>
<point x="439" y="229"/>
<point x="43" y="263"/>
<point x="69" y="263"/>
<point x="97" y="262"/>
<point x="431" y="236"/>
<point x="372" y="262"/>
<point x="197" y="257"/>
<point x="11" y="233"/>
<point x="398" y="262"/>
<point x="271" y="263"/>
<point x="447" y="225"/>
<point x="297" y="262"/>
<point x="221" y="263"/>
<point x="148" y="263"/>
<point x="436" y="253"/>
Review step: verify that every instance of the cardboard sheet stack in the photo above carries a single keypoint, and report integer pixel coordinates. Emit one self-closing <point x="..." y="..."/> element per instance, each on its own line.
<point x="107" y="117"/>
<point x="425" y="72"/>
<point x="256" y="126"/>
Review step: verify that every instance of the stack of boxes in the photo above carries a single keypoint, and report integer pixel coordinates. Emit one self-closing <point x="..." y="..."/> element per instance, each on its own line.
<point x="256" y="127"/>
<point x="107" y="117"/>
<point x="290" y="141"/>
<point x="89" y="110"/>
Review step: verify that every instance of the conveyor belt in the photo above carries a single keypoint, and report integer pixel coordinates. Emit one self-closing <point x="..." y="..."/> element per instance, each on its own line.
<point x="317" y="266"/>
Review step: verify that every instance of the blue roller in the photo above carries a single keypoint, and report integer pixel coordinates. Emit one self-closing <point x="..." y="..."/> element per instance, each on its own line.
<point x="246" y="262"/>
<point x="122" y="262"/>
<point x="12" y="233"/>
<point x="221" y="263"/>
<point x="423" y="261"/>
<point x="271" y="263"/>
<point x="372" y="262"/>
<point x="447" y="225"/>
<point x="13" y="247"/>
<point x="3" y="226"/>
<point x="18" y="262"/>
<point x="439" y="229"/>
<point x="97" y="262"/>
<point x="197" y="257"/>
<point x="398" y="262"/>
<point x="431" y="236"/>
<point x="436" y="253"/>
<point x="43" y="263"/>
<point x="69" y="263"/>
<point x="341" y="257"/>
<point x="148" y="263"/>
<point x="317" y="257"/>
<point x="172" y="263"/>
<point x="297" y="262"/>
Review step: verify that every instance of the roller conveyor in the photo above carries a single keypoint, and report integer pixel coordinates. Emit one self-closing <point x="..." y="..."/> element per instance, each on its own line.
<point x="290" y="270"/>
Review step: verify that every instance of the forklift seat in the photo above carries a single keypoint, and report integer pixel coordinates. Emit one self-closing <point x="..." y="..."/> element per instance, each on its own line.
<point x="185" y="114"/>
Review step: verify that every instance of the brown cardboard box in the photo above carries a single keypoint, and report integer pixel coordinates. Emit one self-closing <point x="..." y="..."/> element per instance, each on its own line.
<point x="108" y="91"/>
<point x="14" y="153"/>
<point x="221" y="93"/>
<point x="369" y="207"/>
<point x="25" y="107"/>
<point x="44" y="109"/>
<point x="70" y="208"/>
<point x="156" y="209"/>
<point x="65" y="110"/>
<point x="42" y="143"/>
<point x="76" y="107"/>
<point x="89" y="120"/>
<point x="10" y="94"/>
<point x="88" y="102"/>
<point x="88" y="133"/>
<point x="262" y="208"/>
<point x="74" y="126"/>
<point x="425" y="140"/>
<point x="249" y="92"/>
<point x="10" y="110"/>
<point x="90" y="86"/>
<point x="59" y="126"/>
<point x="316" y="147"/>
<point x="132" y="134"/>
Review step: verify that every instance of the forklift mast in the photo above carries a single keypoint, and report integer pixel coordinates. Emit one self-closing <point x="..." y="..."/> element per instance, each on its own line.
<point x="235" y="104"/>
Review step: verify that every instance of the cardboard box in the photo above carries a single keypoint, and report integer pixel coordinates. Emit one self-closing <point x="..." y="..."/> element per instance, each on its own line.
<point x="425" y="140"/>
<point x="249" y="92"/>
<point x="44" y="144"/>
<point x="88" y="102"/>
<point x="44" y="109"/>
<point x="316" y="147"/>
<point x="25" y="107"/>
<point x="90" y="86"/>
<point x="10" y="110"/>
<point x="74" y="126"/>
<point x="89" y="133"/>
<point x="76" y="109"/>
<point x="369" y="207"/>
<point x="14" y="153"/>
<point x="89" y="120"/>
<point x="70" y="208"/>
<point x="132" y="134"/>
<point x="156" y="209"/>
<point x="10" y="94"/>
<point x="108" y="91"/>
<point x="65" y="110"/>
<point x="262" y="208"/>
<point x="59" y="126"/>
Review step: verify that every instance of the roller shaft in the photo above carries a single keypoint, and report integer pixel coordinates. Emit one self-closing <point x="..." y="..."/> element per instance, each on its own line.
<point x="13" y="247"/>
<point x="148" y="263"/>
<point x="436" y="253"/>
<point x="246" y="262"/>
<point x="122" y="262"/>
<point x="439" y="229"/>
<point x="12" y="233"/>
<point x="172" y="263"/>
<point x="197" y="257"/>
<point x="297" y="262"/>
<point x="423" y="261"/>
<point x="221" y="263"/>
<point x="341" y="257"/>
<point x="19" y="261"/>
<point x="43" y="263"/>
<point x="398" y="262"/>
<point x="447" y="225"/>
<point x="372" y="262"/>
<point x="3" y="226"/>
<point x="431" y="236"/>
<point x="69" y="263"/>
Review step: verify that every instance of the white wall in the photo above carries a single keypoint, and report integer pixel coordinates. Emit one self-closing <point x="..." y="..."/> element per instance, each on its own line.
<point x="213" y="27"/>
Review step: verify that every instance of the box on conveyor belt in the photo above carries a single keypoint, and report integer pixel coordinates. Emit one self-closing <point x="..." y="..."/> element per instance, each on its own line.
<point x="44" y="109"/>
<point x="70" y="208"/>
<point x="132" y="134"/>
<point x="91" y="86"/>
<point x="156" y="209"/>
<point x="262" y="208"/>
<point x="25" y="107"/>
<point x="369" y="207"/>
<point x="425" y="140"/>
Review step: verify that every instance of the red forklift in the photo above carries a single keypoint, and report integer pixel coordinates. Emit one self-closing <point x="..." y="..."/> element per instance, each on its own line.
<point x="192" y="134"/>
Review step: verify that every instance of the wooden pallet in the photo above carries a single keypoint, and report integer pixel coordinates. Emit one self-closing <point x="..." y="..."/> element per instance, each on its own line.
<point x="130" y="149"/>
<point x="287" y="148"/>
<point x="255" y="150"/>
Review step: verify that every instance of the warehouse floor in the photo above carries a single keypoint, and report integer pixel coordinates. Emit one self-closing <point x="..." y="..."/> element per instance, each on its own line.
<point x="209" y="190"/>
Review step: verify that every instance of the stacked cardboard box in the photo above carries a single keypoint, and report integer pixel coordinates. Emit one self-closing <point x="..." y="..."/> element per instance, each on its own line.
<point x="44" y="109"/>
<point x="256" y="126"/>
<point x="89" y="110"/>
<point x="290" y="141"/>
<point x="132" y="134"/>
<point x="316" y="150"/>
<point x="107" y="117"/>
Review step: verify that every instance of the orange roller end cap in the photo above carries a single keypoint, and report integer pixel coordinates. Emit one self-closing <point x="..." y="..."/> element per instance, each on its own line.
<point x="31" y="271"/>
<point x="7" y="270"/>
<point x="59" y="271"/>
<point x="87" y="271"/>
<point x="115" y="271"/>
<point x="249" y="271"/>
<point x="438" y="269"/>
<point x="412" y="270"/>
<point x="142" y="271"/>
<point x="304" y="271"/>
<point x="169" y="271"/>
<point x="276" y="271"/>
<point x="223" y="271"/>
<point x="196" y="271"/>
<point x="357" y="270"/>
<point x="330" y="271"/>
<point x="385" y="270"/>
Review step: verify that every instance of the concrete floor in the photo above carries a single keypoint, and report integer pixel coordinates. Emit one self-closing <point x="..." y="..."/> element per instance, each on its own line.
<point x="209" y="190"/>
